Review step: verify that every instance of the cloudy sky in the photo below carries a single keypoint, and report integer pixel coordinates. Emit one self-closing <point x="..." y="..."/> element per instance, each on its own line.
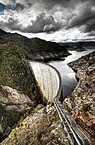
<point x="55" y="20"/>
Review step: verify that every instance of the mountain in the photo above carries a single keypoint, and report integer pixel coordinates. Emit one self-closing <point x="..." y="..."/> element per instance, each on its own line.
<point x="30" y="45"/>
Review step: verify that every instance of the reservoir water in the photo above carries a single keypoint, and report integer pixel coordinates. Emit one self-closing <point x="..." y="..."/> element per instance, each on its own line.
<point x="67" y="74"/>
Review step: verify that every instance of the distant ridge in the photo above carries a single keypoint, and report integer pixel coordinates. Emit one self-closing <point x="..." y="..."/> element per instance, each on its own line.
<point x="31" y="45"/>
<point x="78" y="46"/>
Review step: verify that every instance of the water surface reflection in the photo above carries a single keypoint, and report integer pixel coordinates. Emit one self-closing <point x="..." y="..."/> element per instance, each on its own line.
<point x="67" y="74"/>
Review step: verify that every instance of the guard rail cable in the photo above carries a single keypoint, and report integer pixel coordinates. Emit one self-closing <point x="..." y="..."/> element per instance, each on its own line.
<point x="75" y="135"/>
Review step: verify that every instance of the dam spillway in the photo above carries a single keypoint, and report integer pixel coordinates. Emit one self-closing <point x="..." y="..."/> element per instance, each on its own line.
<point x="48" y="79"/>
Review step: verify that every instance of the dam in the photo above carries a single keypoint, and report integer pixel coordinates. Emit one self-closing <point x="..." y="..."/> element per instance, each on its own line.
<point x="48" y="80"/>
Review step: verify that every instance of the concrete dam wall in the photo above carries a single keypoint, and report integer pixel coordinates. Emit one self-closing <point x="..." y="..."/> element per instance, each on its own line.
<point x="48" y="79"/>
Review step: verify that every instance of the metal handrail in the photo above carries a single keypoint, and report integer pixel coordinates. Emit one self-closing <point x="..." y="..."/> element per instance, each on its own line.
<point x="76" y="136"/>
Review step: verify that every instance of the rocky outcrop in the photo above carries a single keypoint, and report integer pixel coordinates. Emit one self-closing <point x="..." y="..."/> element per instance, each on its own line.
<point x="11" y="99"/>
<point x="13" y="105"/>
<point x="81" y="103"/>
<point x="46" y="57"/>
<point x="41" y="128"/>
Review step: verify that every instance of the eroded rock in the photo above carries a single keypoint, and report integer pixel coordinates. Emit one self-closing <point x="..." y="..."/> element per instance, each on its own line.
<point x="11" y="99"/>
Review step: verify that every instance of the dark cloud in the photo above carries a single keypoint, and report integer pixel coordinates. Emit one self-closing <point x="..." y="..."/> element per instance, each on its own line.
<point x="92" y="33"/>
<point x="47" y="4"/>
<point x="72" y="14"/>
<point x="83" y="16"/>
<point x="15" y="7"/>
<point x="90" y="26"/>
<point x="12" y="24"/>
<point x="19" y="6"/>
<point x="42" y="23"/>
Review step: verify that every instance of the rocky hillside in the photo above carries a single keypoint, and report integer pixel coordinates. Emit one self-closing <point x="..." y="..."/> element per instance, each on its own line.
<point x="35" y="48"/>
<point x="81" y="104"/>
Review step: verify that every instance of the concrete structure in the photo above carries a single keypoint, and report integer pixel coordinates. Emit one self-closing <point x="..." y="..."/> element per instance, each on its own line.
<point x="48" y="79"/>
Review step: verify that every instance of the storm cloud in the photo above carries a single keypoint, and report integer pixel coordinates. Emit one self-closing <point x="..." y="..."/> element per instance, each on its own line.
<point x="85" y="16"/>
<point x="42" y="23"/>
<point x="42" y="16"/>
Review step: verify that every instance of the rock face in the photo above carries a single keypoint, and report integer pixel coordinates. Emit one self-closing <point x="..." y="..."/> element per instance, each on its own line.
<point x="13" y="105"/>
<point x="81" y="103"/>
<point x="41" y="128"/>
<point x="11" y="99"/>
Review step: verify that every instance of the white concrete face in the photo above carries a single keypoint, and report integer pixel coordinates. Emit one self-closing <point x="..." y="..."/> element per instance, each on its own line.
<point x="47" y="78"/>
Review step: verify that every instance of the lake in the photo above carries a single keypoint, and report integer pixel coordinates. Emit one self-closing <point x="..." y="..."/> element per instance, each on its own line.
<point x="69" y="81"/>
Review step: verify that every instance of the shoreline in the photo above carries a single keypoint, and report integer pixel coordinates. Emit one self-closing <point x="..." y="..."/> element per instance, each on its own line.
<point x="47" y="57"/>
